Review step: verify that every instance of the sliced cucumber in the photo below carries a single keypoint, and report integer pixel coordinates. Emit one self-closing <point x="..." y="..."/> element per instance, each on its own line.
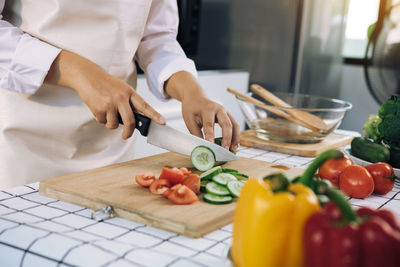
<point x="203" y="184"/>
<point x="229" y="170"/>
<point x="238" y="174"/>
<point x="235" y="187"/>
<point x="223" y="178"/>
<point x="203" y="158"/>
<point x="213" y="199"/>
<point x="208" y="175"/>
<point x="217" y="189"/>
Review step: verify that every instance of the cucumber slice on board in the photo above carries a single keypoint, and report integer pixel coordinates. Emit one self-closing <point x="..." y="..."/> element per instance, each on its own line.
<point x="213" y="199"/>
<point x="203" y="158"/>
<point x="208" y="175"/>
<point x="234" y="187"/>
<point x="224" y="178"/>
<point x="241" y="175"/>
<point x="217" y="189"/>
<point x="203" y="184"/>
<point x="229" y="170"/>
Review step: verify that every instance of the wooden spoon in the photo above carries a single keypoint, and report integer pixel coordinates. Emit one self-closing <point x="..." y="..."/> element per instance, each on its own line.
<point x="272" y="109"/>
<point x="306" y="117"/>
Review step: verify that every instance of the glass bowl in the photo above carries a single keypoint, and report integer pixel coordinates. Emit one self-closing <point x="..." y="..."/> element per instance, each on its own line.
<point x="269" y="126"/>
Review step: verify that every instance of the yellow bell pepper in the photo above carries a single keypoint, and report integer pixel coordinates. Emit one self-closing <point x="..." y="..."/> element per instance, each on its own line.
<point x="268" y="227"/>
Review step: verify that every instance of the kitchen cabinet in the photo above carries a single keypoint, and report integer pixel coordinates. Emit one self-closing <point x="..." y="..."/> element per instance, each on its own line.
<point x="214" y="83"/>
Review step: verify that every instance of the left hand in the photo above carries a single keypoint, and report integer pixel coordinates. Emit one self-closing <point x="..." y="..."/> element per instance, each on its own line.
<point x="199" y="112"/>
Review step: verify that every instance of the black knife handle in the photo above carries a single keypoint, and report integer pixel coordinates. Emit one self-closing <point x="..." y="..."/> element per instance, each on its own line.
<point x="142" y="123"/>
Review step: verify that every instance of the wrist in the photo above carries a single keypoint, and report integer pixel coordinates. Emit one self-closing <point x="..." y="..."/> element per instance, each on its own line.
<point x="184" y="87"/>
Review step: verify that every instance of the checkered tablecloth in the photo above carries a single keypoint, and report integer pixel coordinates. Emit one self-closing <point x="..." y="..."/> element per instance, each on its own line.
<point x="40" y="231"/>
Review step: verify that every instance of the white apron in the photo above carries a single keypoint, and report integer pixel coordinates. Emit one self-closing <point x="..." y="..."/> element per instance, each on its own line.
<point x="53" y="132"/>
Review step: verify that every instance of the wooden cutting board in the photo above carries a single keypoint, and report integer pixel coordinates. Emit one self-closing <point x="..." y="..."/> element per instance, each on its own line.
<point x="333" y="140"/>
<point x="114" y="185"/>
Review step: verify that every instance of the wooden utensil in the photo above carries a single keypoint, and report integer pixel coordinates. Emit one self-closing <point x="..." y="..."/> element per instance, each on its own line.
<point x="115" y="186"/>
<point x="272" y="109"/>
<point x="306" y="117"/>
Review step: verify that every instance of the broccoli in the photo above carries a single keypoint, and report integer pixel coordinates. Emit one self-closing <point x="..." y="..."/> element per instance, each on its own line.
<point x="389" y="127"/>
<point x="371" y="128"/>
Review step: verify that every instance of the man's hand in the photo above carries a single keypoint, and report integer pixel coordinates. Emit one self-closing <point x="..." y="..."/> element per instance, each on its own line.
<point x="199" y="112"/>
<point x="105" y="95"/>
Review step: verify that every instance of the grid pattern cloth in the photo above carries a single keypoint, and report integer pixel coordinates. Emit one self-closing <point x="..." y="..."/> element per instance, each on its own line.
<point x="40" y="231"/>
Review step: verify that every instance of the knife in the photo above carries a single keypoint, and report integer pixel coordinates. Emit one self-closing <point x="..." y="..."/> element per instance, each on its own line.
<point x="174" y="140"/>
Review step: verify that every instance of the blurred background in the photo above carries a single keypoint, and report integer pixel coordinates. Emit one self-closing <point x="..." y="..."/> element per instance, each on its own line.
<point x="346" y="49"/>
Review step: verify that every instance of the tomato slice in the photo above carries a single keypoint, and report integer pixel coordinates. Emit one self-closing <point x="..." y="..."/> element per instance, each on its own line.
<point x="182" y="196"/>
<point x="192" y="182"/>
<point x="174" y="175"/>
<point x="185" y="171"/>
<point x="167" y="192"/>
<point x="145" y="179"/>
<point x="159" y="186"/>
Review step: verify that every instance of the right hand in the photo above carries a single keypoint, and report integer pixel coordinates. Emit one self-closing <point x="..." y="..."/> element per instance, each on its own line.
<point x="104" y="94"/>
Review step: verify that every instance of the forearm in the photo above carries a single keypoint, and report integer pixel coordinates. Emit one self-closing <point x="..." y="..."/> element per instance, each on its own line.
<point x="182" y="85"/>
<point x="68" y="70"/>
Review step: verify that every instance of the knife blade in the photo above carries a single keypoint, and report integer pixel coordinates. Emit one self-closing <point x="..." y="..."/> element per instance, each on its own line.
<point x="171" y="139"/>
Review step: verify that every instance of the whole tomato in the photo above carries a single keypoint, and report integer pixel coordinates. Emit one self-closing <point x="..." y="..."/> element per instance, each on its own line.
<point x="383" y="176"/>
<point x="356" y="181"/>
<point x="332" y="168"/>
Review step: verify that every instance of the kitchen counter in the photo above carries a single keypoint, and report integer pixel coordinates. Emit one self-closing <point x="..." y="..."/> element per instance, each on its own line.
<point x="40" y="231"/>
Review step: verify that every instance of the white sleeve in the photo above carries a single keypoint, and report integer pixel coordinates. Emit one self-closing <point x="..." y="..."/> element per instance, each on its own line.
<point x="24" y="60"/>
<point x="159" y="53"/>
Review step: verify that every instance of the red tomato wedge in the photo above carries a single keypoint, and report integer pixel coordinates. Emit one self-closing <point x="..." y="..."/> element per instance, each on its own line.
<point x="182" y="196"/>
<point x="170" y="190"/>
<point x="145" y="179"/>
<point x="185" y="171"/>
<point x="159" y="186"/>
<point x="192" y="182"/>
<point x="167" y="192"/>
<point x="174" y="175"/>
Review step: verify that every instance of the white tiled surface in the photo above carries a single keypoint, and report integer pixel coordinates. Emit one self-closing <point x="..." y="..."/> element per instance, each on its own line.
<point x="40" y="231"/>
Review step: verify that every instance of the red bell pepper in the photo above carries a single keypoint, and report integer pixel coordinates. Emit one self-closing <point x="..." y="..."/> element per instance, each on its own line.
<point x="338" y="236"/>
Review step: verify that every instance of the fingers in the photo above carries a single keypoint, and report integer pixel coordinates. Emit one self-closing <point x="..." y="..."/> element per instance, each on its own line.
<point x="208" y="125"/>
<point x="100" y="117"/>
<point x="193" y="126"/>
<point x="140" y="105"/>
<point x="112" y="119"/>
<point x="125" y="110"/>
<point x="226" y="125"/>
<point x="235" y="134"/>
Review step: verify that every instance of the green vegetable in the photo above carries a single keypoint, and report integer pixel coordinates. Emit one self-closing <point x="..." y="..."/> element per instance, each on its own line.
<point x="371" y="130"/>
<point x="208" y="175"/>
<point x="223" y="178"/>
<point x="369" y="151"/>
<point x="217" y="189"/>
<point x="213" y="199"/>
<point x="203" y="158"/>
<point x="389" y="127"/>
<point x="395" y="156"/>
<point x="234" y="187"/>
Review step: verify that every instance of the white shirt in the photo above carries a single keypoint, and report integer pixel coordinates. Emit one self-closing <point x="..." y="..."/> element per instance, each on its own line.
<point x="25" y="60"/>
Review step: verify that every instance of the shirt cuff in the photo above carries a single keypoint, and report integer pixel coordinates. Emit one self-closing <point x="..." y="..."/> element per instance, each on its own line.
<point x="159" y="71"/>
<point x="29" y="65"/>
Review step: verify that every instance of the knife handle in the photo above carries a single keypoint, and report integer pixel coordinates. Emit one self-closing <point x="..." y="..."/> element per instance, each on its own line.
<point x="142" y="123"/>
